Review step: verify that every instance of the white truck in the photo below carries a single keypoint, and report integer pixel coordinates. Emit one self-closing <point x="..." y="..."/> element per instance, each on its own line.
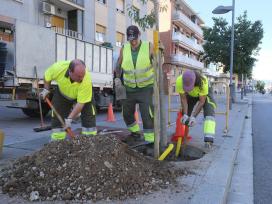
<point x="36" y="46"/>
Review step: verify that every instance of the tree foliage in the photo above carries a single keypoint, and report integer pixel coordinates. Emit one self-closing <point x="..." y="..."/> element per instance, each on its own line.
<point x="147" y="21"/>
<point x="260" y="86"/>
<point x="247" y="38"/>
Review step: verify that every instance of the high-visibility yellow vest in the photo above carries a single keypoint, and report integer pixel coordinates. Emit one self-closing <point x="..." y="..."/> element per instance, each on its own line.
<point x="142" y="74"/>
<point x="82" y="91"/>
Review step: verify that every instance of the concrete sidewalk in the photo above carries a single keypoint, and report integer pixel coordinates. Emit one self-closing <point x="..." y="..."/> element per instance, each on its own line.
<point x="209" y="178"/>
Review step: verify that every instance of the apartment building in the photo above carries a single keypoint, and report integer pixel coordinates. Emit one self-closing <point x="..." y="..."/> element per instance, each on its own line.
<point x="95" y="21"/>
<point x="182" y="37"/>
<point x="64" y="16"/>
<point x="216" y="77"/>
<point x="111" y="20"/>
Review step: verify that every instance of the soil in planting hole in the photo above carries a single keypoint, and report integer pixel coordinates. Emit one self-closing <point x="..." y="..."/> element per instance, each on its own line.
<point x="187" y="153"/>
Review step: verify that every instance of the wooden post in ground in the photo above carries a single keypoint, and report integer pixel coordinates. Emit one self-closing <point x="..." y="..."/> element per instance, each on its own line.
<point x="157" y="129"/>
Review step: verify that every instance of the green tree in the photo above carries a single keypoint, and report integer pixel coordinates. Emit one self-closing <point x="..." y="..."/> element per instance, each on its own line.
<point x="247" y="38"/>
<point x="260" y="86"/>
<point x="149" y="20"/>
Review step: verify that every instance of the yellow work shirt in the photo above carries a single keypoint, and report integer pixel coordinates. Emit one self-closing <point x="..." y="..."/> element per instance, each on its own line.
<point x="82" y="92"/>
<point x="196" y="92"/>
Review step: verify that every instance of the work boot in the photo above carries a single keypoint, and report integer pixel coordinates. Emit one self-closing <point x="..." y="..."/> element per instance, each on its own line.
<point x="136" y="136"/>
<point x="208" y="138"/>
<point x="132" y="138"/>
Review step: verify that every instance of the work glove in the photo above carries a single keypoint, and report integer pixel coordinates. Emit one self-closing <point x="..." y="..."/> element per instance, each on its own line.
<point x="44" y="93"/>
<point x="68" y="123"/>
<point x="192" y="121"/>
<point x="184" y="119"/>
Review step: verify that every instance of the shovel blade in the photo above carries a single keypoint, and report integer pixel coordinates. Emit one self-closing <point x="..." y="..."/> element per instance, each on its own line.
<point x="120" y="93"/>
<point x="40" y="129"/>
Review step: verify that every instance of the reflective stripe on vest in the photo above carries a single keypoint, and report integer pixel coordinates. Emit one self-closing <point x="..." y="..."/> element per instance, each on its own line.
<point x="139" y="80"/>
<point x="142" y="74"/>
<point x="137" y="71"/>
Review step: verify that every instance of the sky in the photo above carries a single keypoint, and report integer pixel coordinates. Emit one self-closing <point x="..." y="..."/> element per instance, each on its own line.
<point x="256" y="10"/>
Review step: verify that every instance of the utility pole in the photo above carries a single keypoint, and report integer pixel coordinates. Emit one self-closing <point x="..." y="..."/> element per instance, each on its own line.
<point x="232" y="88"/>
<point x="242" y="87"/>
<point x="222" y="10"/>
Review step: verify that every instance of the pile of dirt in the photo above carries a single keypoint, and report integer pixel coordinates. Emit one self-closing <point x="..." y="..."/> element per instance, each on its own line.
<point x="87" y="168"/>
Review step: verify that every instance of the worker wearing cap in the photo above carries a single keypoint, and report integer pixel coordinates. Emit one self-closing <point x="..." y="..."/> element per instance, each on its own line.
<point x="193" y="88"/>
<point x="72" y="97"/>
<point x="135" y="63"/>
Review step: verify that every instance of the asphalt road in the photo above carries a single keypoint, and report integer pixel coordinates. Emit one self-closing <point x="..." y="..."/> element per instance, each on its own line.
<point x="21" y="139"/>
<point x="262" y="149"/>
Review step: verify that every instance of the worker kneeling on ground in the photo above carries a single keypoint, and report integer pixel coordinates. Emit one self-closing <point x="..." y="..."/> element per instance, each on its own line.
<point x="135" y="62"/>
<point x="74" y="87"/>
<point x="193" y="88"/>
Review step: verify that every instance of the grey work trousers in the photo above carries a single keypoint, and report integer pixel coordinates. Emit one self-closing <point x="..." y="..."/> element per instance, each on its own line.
<point x="144" y="98"/>
<point x="208" y="108"/>
<point x="64" y="107"/>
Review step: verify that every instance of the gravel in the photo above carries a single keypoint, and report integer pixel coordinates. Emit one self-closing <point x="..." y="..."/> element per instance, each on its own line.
<point x="86" y="168"/>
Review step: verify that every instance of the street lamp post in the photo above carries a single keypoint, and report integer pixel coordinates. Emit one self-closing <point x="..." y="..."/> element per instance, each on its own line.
<point x="223" y="10"/>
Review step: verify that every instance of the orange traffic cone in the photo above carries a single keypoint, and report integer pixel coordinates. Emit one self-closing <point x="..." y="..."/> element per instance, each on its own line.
<point x="186" y="134"/>
<point x="180" y="128"/>
<point x="110" y="117"/>
<point x="136" y="115"/>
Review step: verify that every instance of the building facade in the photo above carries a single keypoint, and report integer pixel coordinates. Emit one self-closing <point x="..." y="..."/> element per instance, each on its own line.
<point x="95" y="21"/>
<point x="182" y="37"/>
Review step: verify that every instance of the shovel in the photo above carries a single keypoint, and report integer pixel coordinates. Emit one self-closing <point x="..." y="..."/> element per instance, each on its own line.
<point x="120" y="92"/>
<point x="68" y="130"/>
<point x="43" y="127"/>
<point x="144" y="143"/>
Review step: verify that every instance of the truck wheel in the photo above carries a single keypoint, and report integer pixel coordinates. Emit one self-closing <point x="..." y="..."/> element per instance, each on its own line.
<point x="35" y="113"/>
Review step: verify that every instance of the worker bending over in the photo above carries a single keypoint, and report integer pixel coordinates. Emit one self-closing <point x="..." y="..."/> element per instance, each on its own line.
<point x="193" y="88"/>
<point x="74" y="88"/>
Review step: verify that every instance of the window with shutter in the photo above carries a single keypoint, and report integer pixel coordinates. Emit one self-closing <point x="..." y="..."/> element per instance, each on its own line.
<point x="100" y="34"/>
<point x="119" y="39"/>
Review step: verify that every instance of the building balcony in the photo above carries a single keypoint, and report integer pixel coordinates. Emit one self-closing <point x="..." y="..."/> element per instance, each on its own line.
<point x="69" y="33"/>
<point x="210" y="72"/>
<point x="70" y="4"/>
<point x="180" y="17"/>
<point x="182" y="39"/>
<point x="79" y="2"/>
<point x="183" y="60"/>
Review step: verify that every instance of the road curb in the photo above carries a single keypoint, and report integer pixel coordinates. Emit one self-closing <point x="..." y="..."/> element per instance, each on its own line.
<point x="241" y="188"/>
<point x="216" y="183"/>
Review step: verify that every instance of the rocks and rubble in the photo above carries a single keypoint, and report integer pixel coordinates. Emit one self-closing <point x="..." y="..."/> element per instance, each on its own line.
<point x="86" y="168"/>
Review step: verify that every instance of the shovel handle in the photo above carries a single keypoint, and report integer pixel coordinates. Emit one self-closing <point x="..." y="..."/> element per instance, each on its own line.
<point x="39" y="99"/>
<point x="186" y="131"/>
<point x="68" y="130"/>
